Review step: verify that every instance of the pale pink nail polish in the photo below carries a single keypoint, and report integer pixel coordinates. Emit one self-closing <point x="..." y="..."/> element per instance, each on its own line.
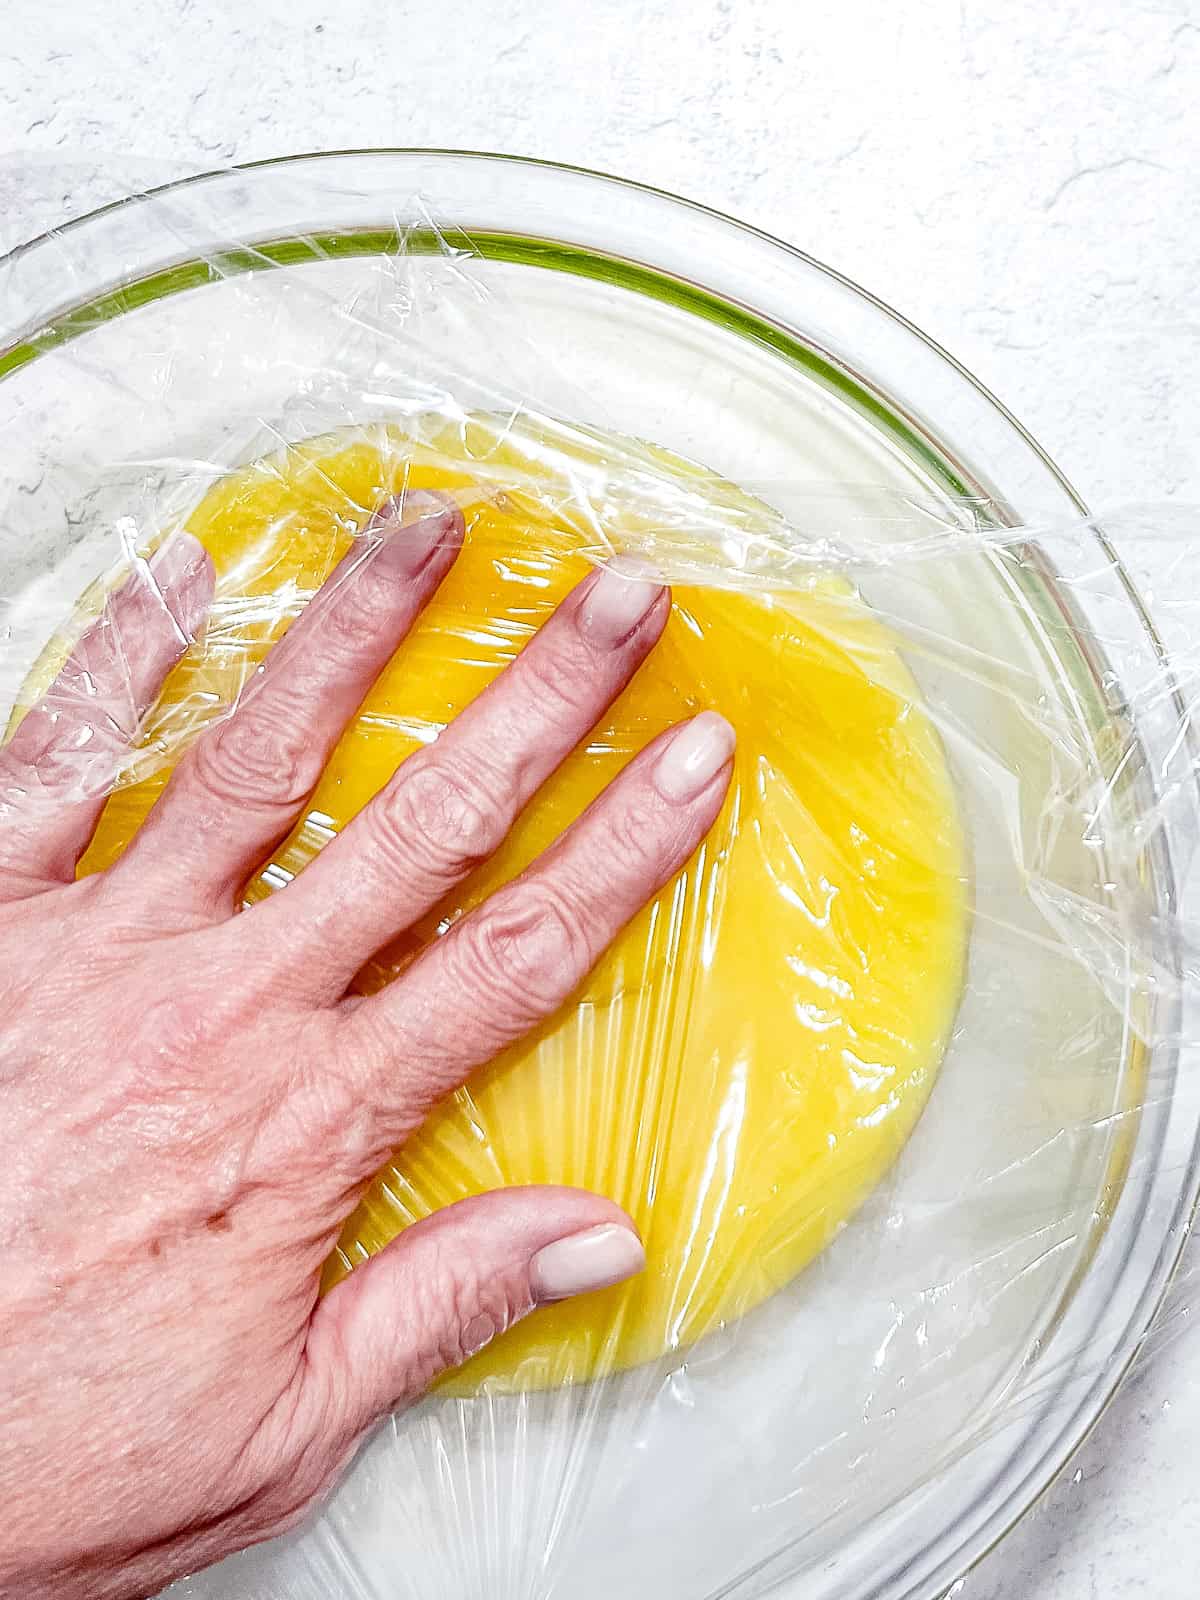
<point x="583" y="1262"/>
<point x="174" y="562"/>
<point x="615" y="604"/>
<point x="694" y="757"/>
<point x="181" y="571"/>
<point x="415" y="526"/>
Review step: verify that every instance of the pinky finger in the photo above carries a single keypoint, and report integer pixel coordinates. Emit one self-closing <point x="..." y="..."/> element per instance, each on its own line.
<point x="58" y="768"/>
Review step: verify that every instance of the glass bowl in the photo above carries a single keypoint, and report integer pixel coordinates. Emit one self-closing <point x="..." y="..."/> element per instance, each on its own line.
<point x="881" y="1422"/>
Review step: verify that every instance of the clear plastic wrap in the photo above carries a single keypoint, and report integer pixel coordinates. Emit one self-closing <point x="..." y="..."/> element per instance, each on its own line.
<point x="890" y="1076"/>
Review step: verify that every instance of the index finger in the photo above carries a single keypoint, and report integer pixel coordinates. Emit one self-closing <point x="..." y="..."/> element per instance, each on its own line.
<point x="513" y="961"/>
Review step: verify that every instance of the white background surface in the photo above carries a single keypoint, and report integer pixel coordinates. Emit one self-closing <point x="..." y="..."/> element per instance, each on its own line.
<point x="1022" y="179"/>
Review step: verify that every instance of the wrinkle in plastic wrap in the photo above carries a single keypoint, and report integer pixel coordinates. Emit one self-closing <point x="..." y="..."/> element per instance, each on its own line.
<point x="873" y="1075"/>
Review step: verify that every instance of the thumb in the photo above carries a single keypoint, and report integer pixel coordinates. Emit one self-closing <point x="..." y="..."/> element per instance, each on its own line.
<point x="448" y="1286"/>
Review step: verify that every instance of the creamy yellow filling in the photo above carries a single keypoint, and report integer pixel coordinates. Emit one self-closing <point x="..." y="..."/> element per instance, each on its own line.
<point x="748" y="1059"/>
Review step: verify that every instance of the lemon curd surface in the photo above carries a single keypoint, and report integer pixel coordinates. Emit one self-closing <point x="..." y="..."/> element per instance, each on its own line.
<point x="748" y="1059"/>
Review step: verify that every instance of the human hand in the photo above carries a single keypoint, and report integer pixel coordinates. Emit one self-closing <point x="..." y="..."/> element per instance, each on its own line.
<point x="192" y="1102"/>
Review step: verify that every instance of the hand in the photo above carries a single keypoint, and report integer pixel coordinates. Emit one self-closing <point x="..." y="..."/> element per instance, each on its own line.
<point x="191" y="1103"/>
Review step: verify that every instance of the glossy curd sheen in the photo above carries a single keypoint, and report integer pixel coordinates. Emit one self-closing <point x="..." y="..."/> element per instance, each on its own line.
<point x="745" y="1064"/>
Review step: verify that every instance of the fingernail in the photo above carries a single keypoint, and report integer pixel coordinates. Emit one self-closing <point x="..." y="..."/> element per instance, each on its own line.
<point x="415" y="525"/>
<point x="616" y="602"/>
<point x="176" y="561"/>
<point x="694" y="757"/>
<point x="583" y="1262"/>
<point x="182" y="573"/>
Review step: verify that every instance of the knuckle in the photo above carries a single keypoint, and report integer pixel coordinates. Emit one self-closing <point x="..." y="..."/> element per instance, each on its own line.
<point x="264" y="752"/>
<point x="322" y="1112"/>
<point x="461" y="1312"/>
<point x="633" y="843"/>
<point x="524" y="954"/>
<point x="352" y="1096"/>
<point x="352" y="609"/>
<point x="440" y="821"/>
<point x="169" y="1029"/>
<point x="475" y="1320"/>
<point x="325" y="1112"/>
<point x="556" y="684"/>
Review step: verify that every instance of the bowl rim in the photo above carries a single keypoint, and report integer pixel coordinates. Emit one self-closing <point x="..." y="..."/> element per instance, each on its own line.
<point x="1014" y="1500"/>
<point x="298" y="158"/>
<point x="211" y="174"/>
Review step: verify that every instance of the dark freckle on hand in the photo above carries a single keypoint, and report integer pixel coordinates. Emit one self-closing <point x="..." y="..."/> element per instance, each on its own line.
<point x="156" y="1247"/>
<point x="219" y="1222"/>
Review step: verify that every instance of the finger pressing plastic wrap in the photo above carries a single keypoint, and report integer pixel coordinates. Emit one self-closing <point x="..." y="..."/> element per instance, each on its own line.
<point x="888" y="1076"/>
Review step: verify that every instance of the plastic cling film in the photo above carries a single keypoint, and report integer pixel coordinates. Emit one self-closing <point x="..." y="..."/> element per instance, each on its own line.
<point x="898" y="1075"/>
<point x="744" y="1064"/>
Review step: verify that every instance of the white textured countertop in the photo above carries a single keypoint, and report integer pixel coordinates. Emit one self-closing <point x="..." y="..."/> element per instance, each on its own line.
<point x="1021" y="178"/>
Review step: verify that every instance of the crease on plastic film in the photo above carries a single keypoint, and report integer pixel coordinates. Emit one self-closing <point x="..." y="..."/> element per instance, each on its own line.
<point x="1100" y="733"/>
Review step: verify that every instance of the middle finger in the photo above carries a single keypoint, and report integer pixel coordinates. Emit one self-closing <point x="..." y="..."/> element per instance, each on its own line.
<point x="449" y="806"/>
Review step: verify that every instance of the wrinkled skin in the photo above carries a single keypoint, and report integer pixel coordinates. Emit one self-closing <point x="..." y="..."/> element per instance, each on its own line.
<point x="190" y="1101"/>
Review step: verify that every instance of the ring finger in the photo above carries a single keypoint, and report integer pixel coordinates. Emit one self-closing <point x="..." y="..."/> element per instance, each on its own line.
<point x="449" y="806"/>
